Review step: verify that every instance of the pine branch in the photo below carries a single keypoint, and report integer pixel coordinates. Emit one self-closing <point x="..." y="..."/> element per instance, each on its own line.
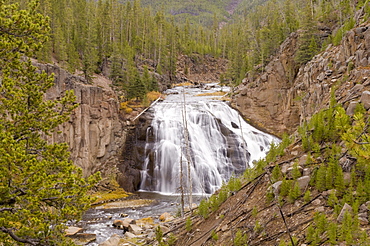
<point x="16" y="238"/>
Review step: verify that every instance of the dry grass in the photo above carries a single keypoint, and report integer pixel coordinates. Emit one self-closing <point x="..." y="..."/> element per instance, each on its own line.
<point x="128" y="106"/>
<point x="109" y="196"/>
<point x="153" y="95"/>
<point x="182" y="84"/>
<point x="217" y="93"/>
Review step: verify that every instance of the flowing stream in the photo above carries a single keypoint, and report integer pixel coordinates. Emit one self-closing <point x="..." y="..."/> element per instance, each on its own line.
<point x="198" y="131"/>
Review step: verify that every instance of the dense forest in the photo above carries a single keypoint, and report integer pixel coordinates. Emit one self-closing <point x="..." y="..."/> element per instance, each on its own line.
<point x="135" y="39"/>
<point x="136" y="42"/>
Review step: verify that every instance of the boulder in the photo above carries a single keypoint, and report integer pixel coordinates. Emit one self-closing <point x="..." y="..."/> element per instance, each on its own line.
<point x="363" y="208"/>
<point x="303" y="182"/>
<point x="83" y="238"/>
<point x="72" y="230"/>
<point x="129" y="221"/>
<point x="130" y="235"/>
<point x="164" y="229"/>
<point x="118" y="224"/>
<point x="365" y="99"/>
<point x="112" y="241"/>
<point x="276" y="187"/>
<point x="164" y="216"/>
<point x="363" y="221"/>
<point x="137" y="230"/>
<point x="346" y="208"/>
<point x="351" y="108"/>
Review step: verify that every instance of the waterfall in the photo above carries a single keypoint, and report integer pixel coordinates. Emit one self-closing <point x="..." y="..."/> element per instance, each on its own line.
<point x="221" y="144"/>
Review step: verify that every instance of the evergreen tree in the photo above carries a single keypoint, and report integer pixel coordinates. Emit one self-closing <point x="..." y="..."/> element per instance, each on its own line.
<point x="40" y="188"/>
<point x="308" y="45"/>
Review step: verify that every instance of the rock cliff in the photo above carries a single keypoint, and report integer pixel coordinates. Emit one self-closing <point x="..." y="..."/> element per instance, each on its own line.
<point x="281" y="97"/>
<point x="94" y="133"/>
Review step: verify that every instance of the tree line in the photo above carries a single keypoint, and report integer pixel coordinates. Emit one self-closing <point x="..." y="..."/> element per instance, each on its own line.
<point x="132" y="39"/>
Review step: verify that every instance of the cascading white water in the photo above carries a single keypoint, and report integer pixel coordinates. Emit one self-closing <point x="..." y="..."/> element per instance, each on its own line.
<point x="221" y="143"/>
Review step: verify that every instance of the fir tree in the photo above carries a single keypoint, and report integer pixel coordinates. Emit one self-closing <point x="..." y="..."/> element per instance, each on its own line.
<point x="40" y="188"/>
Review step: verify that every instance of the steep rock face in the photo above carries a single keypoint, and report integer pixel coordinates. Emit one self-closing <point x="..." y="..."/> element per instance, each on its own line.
<point x="94" y="132"/>
<point x="262" y="97"/>
<point x="198" y="68"/>
<point x="279" y="100"/>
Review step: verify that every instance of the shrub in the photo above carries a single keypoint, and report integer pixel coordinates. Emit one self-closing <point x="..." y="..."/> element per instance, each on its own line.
<point x="188" y="224"/>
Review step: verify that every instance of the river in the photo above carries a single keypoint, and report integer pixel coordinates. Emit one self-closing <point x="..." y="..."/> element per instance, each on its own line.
<point x="194" y="129"/>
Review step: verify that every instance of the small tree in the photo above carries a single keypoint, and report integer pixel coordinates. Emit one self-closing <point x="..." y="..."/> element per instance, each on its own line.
<point x="40" y="188"/>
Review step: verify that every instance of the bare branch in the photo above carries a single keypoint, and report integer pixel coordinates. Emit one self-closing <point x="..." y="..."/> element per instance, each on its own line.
<point x="16" y="238"/>
<point x="7" y="209"/>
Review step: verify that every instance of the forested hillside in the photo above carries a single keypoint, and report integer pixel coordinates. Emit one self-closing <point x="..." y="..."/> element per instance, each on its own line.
<point x="127" y="40"/>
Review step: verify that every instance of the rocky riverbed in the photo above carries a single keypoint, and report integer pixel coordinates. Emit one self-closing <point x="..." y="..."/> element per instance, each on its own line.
<point x="131" y="221"/>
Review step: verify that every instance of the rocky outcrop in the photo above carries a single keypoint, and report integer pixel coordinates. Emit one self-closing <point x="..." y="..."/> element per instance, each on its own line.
<point x="279" y="98"/>
<point x="262" y="98"/>
<point x="200" y="69"/>
<point x="94" y="133"/>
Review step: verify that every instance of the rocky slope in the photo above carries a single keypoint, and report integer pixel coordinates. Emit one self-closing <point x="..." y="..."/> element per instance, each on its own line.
<point x="280" y="98"/>
<point x="95" y="133"/>
<point x="258" y="214"/>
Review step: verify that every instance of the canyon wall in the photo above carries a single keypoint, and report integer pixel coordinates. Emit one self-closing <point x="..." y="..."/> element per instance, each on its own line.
<point x="280" y="98"/>
<point x="94" y="133"/>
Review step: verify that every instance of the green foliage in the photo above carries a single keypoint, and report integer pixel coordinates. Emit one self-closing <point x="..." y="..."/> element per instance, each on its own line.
<point x="285" y="187"/>
<point x="188" y="224"/>
<point x="307" y="196"/>
<point x="159" y="235"/>
<point x="257" y="227"/>
<point x="240" y="238"/>
<point x="171" y="239"/>
<point x="276" y="174"/>
<point x="294" y="193"/>
<point x="234" y="184"/>
<point x="296" y="173"/>
<point x="203" y="209"/>
<point x="254" y="211"/>
<point x="214" y="235"/>
<point x="348" y="25"/>
<point x="40" y="188"/>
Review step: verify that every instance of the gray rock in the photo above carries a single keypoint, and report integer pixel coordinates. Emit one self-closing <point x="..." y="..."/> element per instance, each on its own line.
<point x="365" y="99"/>
<point x="346" y="208"/>
<point x="320" y="209"/>
<point x="357" y="89"/>
<point x="164" y="229"/>
<point x="363" y="208"/>
<point x="290" y="170"/>
<point x="83" y="238"/>
<point x="135" y="229"/>
<point x="302" y="160"/>
<point x="130" y="235"/>
<point x="306" y="172"/>
<point x="303" y="182"/>
<point x="363" y="220"/>
<point x="276" y="187"/>
<point x="351" y="108"/>
<point x="112" y="241"/>
<point x="129" y="221"/>
<point x="363" y="215"/>
<point x="316" y="202"/>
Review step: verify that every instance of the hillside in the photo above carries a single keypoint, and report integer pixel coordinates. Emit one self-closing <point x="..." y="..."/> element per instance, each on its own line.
<point x="314" y="188"/>
<point x="205" y="12"/>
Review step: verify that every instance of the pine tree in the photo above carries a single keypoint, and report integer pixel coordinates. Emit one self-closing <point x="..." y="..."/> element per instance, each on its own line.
<point x="40" y="188"/>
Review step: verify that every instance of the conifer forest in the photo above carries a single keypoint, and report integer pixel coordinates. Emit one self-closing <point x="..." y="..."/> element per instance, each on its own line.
<point x="139" y="44"/>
